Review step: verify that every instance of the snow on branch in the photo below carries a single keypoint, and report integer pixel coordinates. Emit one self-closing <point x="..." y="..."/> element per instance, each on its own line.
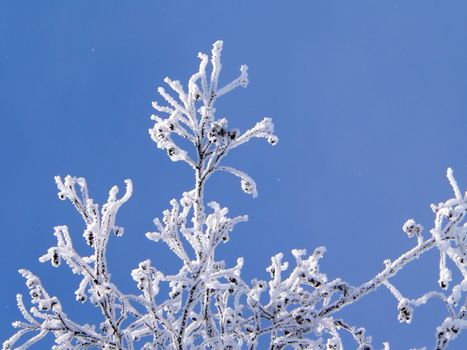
<point x="208" y="304"/>
<point x="193" y="117"/>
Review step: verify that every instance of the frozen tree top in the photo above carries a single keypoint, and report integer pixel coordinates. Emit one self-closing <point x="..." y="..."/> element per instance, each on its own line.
<point x="209" y="305"/>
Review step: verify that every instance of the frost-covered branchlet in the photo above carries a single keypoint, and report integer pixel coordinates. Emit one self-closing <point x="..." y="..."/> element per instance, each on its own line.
<point x="193" y="117"/>
<point x="209" y="305"/>
<point x="47" y="316"/>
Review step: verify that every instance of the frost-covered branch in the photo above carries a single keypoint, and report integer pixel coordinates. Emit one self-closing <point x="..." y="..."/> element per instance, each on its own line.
<point x="95" y="284"/>
<point x="209" y="305"/>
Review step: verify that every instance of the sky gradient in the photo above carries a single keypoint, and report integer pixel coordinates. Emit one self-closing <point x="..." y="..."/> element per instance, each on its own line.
<point x="368" y="99"/>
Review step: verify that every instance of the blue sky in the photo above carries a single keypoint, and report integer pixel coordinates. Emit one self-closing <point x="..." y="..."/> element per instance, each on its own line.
<point x="368" y="99"/>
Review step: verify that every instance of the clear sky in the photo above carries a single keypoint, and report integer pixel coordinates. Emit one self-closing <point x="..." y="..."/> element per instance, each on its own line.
<point x="368" y="99"/>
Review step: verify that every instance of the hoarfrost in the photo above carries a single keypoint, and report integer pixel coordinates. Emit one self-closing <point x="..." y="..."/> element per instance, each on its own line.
<point x="209" y="305"/>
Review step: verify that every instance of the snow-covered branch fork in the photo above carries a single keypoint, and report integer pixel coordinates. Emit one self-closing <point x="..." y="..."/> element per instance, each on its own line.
<point x="209" y="305"/>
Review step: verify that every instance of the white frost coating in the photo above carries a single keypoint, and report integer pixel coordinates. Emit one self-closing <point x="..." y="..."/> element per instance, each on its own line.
<point x="412" y="228"/>
<point x="247" y="183"/>
<point x="453" y="182"/>
<point x="209" y="305"/>
<point x="193" y="118"/>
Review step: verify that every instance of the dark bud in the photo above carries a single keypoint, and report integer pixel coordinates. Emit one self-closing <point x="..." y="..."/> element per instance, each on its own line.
<point x="405" y="313"/>
<point x="55" y="258"/>
<point x="89" y="236"/>
<point x="118" y="231"/>
<point x="299" y="319"/>
<point x="233" y="134"/>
